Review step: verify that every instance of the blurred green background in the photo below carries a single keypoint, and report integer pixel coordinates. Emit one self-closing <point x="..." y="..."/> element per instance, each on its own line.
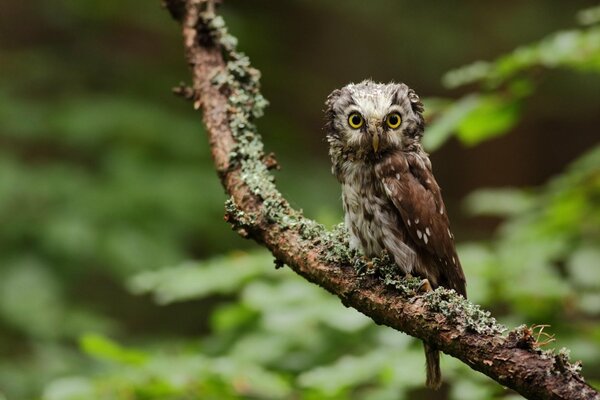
<point x="119" y="278"/>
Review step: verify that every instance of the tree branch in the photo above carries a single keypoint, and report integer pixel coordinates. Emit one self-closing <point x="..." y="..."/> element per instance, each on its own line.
<point x="225" y="87"/>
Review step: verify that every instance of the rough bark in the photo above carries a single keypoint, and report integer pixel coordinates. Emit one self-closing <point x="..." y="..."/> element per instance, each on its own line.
<point x="225" y="88"/>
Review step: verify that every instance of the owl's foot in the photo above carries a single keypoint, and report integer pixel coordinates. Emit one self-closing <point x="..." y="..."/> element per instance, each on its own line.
<point x="368" y="264"/>
<point x="424" y="286"/>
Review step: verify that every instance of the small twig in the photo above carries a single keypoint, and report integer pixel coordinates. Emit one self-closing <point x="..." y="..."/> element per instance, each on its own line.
<point x="549" y="338"/>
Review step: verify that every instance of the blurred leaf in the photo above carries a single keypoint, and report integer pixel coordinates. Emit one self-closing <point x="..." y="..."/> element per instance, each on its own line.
<point x="467" y="390"/>
<point x="442" y="127"/>
<point x="589" y="303"/>
<point x="30" y="299"/>
<point x="231" y="317"/>
<point x="198" y="279"/>
<point x="469" y="73"/>
<point x="346" y="372"/>
<point x="492" y="116"/>
<point x="312" y="304"/>
<point x="589" y="16"/>
<point x="584" y="269"/>
<point x="70" y="388"/>
<point x="498" y="202"/>
<point x="575" y="49"/>
<point x="105" y="349"/>
<point x="479" y="263"/>
<point x="250" y="379"/>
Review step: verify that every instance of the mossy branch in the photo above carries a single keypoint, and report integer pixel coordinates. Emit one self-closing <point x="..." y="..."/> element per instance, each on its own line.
<point x="225" y="87"/>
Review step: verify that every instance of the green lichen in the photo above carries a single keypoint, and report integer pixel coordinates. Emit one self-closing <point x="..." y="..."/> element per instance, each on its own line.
<point x="562" y="361"/>
<point x="336" y="246"/>
<point x="462" y="312"/>
<point x="245" y="103"/>
<point x="238" y="216"/>
<point x="408" y="286"/>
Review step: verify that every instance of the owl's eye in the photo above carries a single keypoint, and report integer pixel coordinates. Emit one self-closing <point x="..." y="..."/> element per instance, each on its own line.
<point x="355" y="120"/>
<point x="393" y="120"/>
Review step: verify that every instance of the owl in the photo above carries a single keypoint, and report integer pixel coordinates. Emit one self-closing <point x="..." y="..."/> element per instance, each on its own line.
<point x="392" y="202"/>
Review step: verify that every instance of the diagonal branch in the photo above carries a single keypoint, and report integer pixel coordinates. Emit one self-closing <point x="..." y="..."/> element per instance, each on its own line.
<point x="225" y="87"/>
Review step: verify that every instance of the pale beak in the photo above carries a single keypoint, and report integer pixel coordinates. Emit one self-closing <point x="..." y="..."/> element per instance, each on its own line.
<point x="375" y="128"/>
<point x="376" y="141"/>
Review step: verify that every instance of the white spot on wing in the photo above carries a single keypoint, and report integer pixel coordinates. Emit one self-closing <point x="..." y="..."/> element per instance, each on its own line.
<point x="408" y="221"/>
<point x="425" y="238"/>
<point x="417" y="221"/>
<point x="442" y="210"/>
<point x="419" y="234"/>
<point x="427" y="231"/>
<point x="397" y="176"/>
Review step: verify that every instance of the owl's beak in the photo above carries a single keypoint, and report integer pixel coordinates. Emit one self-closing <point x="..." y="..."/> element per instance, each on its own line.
<point x="376" y="141"/>
<point x="376" y="133"/>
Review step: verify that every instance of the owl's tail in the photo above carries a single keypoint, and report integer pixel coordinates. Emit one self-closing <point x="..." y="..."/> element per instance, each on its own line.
<point x="434" y="375"/>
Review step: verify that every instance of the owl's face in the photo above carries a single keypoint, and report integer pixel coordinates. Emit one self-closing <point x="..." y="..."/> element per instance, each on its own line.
<point x="371" y="118"/>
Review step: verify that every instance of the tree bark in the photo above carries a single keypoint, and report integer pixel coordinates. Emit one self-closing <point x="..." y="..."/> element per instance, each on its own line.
<point x="225" y="87"/>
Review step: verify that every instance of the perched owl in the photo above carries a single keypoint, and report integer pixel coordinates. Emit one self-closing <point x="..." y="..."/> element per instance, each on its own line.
<point x="391" y="200"/>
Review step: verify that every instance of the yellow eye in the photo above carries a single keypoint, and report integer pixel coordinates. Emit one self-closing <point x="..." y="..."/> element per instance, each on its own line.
<point x="393" y="120"/>
<point x="355" y="120"/>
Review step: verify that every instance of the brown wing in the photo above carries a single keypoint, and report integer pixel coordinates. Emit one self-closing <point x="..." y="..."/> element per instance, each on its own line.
<point x="410" y="185"/>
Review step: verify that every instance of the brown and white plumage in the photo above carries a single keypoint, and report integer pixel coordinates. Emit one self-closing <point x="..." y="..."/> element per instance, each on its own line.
<point x="391" y="200"/>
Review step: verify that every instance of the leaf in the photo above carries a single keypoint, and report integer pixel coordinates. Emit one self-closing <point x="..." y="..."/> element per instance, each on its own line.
<point x="442" y="128"/>
<point x="498" y="202"/>
<point x="583" y="268"/>
<point x="492" y="116"/>
<point x="346" y="372"/>
<point x="222" y="275"/>
<point x="589" y="16"/>
<point x="69" y="388"/>
<point x="30" y="299"/>
<point x="574" y="49"/>
<point x="469" y="390"/>
<point x="468" y="74"/>
<point x="231" y="317"/>
<point x="479" y="263"/>
<point x="105" y="349"/>
<point x="251" y="380"/>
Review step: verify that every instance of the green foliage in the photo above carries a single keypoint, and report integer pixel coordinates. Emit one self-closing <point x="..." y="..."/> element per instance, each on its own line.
<point x="505" y="82"/>
<point x="554" y="232"/>
<point x="198" y="279"/>
<point x="254" y="349"/>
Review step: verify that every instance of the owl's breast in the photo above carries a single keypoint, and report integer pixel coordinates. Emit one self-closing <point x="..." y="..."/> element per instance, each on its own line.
<point x="372" y="219"/>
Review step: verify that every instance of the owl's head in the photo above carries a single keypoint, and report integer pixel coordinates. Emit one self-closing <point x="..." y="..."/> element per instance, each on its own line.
<point x="371" y="118"/>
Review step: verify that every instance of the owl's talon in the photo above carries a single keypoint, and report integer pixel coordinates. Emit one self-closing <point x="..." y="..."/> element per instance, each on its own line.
<point x="424" y="286"/>
<point x="368" y="264"/>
